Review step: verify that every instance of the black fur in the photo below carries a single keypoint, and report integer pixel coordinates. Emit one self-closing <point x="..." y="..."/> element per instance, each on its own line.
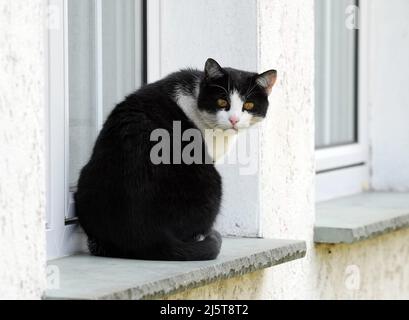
<point x="243" y="82"/>
<point x="131" y="208"/>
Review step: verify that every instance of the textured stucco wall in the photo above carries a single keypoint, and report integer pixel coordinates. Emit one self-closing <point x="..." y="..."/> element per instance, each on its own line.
<point x="286" y="41"/>
<point x="22" y="155"/>
<point x="388" y="61"/>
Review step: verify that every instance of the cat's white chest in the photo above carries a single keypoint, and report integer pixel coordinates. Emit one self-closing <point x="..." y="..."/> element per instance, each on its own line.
<point x="219" y="143"/>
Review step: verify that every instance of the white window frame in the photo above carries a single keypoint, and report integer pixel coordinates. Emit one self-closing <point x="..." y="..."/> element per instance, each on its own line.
<point x="344" y="170"/>
<point x="64" y="236"/>
<point x="153" y="26"/>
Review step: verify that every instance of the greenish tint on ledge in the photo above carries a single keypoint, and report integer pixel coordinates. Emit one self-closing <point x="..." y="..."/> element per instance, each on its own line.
<point x="88" y="278"/>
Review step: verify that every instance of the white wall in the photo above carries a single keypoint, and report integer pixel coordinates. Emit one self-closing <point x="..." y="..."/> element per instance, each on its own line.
<point x="388" y="93"/>
<point x="191" y="32"/>
<point x="286" y="39"/>
<point x="22" y="154"/>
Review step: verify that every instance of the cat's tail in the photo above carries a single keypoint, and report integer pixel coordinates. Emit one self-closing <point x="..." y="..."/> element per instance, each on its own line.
<point x="206" y="249"/>
<point x="173" y="249"/>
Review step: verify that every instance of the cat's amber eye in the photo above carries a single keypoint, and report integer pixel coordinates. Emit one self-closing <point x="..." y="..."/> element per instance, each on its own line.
<point x="249" y="105"/>
<point x="222" y="103"/>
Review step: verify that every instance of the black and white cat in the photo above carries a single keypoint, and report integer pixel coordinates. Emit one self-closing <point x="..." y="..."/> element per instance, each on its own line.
<point x="132" y="208"/>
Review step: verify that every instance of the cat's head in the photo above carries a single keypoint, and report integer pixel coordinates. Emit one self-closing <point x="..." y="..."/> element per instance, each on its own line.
<point x="234" y="99"/>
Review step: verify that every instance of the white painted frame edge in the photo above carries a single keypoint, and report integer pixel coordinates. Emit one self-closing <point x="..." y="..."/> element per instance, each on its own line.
<point x="62" y="239"/>
<point x="343" y="157"/>
<point x="340" y="183"/>
<point x="154" y="40"/>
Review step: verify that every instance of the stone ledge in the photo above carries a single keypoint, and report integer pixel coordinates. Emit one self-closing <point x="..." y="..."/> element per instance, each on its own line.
<point x="84" y="277"/>
<point x="360" y="217"/>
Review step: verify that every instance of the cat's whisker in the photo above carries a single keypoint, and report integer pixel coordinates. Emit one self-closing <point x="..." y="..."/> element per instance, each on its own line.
<point x="224" y="89"/>
<point x="248" y="88"/>
<point x="251" y="91"/>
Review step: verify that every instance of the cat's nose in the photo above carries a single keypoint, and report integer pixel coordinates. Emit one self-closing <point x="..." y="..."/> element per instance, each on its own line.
<point x="234" y="120"/>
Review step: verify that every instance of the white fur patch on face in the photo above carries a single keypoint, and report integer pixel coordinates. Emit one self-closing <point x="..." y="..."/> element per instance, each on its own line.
<point x="236" y="112"/>
<point x="220" y="120"/>
<point x="222" y="140"/>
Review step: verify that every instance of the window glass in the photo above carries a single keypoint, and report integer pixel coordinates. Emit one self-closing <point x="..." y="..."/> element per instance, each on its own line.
<point x="336" y="73"/>
<point x="104" y="65"/>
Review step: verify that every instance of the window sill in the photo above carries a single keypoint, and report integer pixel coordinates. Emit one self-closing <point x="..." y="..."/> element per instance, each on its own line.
<point x="360" y="217"/>
<point x="84" y="277"/>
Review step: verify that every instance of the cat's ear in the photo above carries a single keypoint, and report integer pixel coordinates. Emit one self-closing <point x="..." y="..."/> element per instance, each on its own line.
<point x="213" y="70"/>
<point x="266" y="80"/>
